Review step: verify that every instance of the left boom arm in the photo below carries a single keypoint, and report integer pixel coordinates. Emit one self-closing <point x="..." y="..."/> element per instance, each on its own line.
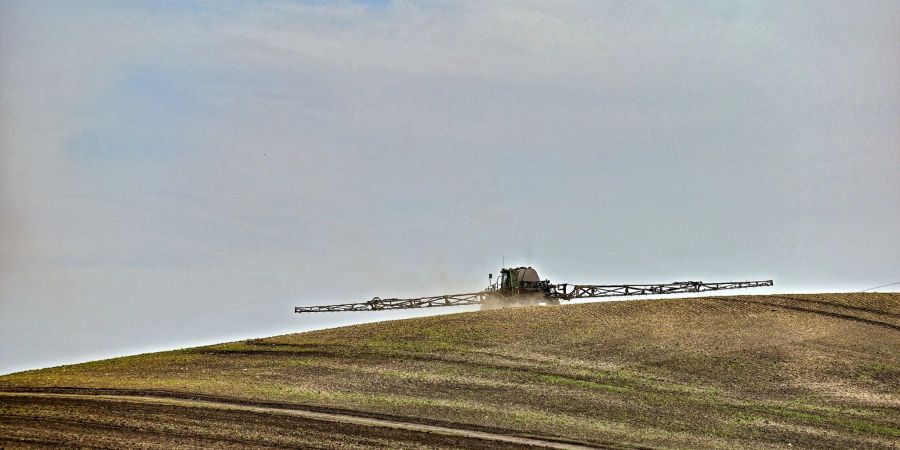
<point x="378" y="304"/>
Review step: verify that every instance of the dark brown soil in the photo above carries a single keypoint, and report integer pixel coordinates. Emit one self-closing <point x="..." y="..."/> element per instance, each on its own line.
<point x="50" y="422"/>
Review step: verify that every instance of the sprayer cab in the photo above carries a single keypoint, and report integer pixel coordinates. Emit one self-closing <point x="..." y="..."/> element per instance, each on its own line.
<point x="523" y="284"/>
<point x="520" y="277"/>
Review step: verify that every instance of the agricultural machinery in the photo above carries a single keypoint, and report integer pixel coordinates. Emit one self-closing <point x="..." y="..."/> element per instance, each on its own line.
<point x="522" y="286"/>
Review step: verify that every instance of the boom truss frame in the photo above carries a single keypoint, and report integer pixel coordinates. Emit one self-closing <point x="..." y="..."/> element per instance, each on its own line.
<point x="569" y="292"/>
<point x="378" y="304"/>
<point x="551" y="292"/>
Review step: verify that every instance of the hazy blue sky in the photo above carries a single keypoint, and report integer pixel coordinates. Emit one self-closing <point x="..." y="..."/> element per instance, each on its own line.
<point x="174" y="173"/>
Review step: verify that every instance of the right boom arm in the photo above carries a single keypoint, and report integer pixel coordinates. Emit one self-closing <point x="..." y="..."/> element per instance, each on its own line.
<point x="569" y="292"/>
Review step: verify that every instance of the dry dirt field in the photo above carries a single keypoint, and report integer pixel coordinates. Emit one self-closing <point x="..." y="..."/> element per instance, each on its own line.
<point x="798" y="371"/>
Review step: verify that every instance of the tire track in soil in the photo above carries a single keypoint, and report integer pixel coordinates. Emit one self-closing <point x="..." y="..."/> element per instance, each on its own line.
<point x="817" y="311"/>
<point x="309" y="414"/>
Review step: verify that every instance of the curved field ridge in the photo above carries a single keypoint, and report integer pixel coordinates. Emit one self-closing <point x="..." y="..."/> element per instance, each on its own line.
<point x="192" y="405"/>
<point x="812" y="371"/>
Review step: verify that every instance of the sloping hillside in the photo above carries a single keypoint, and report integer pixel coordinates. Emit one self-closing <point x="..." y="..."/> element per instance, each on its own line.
<point x="764" y="371"/>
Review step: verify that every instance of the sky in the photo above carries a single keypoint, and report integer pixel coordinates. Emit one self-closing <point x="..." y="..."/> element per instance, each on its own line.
<point x="183" y="173"/>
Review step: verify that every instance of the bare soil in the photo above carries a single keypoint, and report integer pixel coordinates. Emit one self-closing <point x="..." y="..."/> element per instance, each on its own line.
<point x="809" y="371"/>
